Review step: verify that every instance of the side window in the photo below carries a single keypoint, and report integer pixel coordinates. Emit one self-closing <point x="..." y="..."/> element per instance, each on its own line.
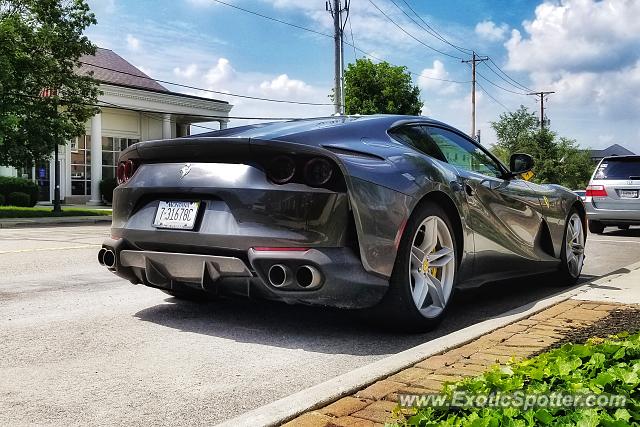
<point x="417" y="137"/>
<point x="463" y="153"/>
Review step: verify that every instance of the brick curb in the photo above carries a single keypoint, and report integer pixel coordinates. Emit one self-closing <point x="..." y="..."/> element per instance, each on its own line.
<point x="372" y="406"/>
<point x="53" y="222"/>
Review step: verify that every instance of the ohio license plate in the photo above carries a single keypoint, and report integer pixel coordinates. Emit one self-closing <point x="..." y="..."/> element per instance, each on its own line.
<point x="176" y="215"/>
<point x="629" y="194"/>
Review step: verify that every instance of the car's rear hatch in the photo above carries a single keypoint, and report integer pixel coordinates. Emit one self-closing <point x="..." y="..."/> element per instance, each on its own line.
<point x="620" y="179"/>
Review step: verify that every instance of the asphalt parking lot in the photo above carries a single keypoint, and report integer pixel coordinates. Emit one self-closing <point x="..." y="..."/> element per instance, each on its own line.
<point x="81" y="346"/>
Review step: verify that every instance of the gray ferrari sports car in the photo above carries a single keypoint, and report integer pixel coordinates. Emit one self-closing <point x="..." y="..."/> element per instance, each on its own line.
<point x="390" y="212"/>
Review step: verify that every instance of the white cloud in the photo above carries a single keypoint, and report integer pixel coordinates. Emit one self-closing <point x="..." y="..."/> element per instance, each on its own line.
<point x="132" y="42"/>
<point x="432" y="79"/>
<point x="577" y="35"/>
<point x="221" y="74"/>
<point x="488" y="30"/>
<point x="283" y="86"/>
<point x="187" y="72"/>
<point x="588" y="51"/>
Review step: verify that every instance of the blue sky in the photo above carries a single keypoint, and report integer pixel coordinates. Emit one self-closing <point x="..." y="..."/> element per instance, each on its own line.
<point x="588" y="51"/>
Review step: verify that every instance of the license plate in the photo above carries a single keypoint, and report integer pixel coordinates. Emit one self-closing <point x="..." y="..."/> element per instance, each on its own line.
<point x="629" y="194"/>
<point x="176" y="215"/>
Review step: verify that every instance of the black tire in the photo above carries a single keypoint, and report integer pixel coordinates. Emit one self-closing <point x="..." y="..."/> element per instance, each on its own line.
<point x="397" y="310"/>
<point x="188" y="294"/>
<point x="564" y="276"/>
<point x="596" y="227"/>
<point x="623" y="227"/>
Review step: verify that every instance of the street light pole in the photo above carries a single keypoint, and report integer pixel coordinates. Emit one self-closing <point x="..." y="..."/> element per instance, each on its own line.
<point x="56" y="183"/>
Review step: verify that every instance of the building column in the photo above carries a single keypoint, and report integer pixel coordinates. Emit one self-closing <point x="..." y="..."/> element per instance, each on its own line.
<point x="96" y="159"/>
<point x="223" y="124"/>
<point x="166" y="126"/>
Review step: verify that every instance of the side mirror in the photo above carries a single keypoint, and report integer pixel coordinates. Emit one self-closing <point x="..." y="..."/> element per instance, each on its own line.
<point x="520" y="163"/>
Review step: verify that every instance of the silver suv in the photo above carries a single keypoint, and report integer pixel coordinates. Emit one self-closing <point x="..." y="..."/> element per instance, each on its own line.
<point x="612" y="197"/>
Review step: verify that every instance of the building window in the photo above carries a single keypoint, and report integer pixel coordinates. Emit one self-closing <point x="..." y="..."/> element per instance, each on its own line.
<point x="81" y="161"/>
<point x="81" y="166"/>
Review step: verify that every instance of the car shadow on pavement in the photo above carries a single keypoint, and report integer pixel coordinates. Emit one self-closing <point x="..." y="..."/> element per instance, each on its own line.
<point x="334" y="331"/>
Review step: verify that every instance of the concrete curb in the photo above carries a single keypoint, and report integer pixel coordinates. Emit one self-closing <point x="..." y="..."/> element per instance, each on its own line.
<point x="320" y="395"/>
<point x="53" y="222"/>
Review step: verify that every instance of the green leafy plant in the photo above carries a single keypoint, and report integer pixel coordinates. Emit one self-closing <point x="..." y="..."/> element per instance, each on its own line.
<point x="1" y="200"/>
<point x="599" y="367"/>
<point x="19" y="199"/>
<point x="380" y="88"/>
<point x="10" y="185"/>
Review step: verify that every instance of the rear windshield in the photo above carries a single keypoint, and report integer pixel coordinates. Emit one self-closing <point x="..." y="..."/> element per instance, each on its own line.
<point x="618" y="169"/>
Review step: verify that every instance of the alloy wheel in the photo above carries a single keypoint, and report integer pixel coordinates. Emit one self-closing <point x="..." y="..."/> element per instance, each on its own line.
<point x="574" y="245"/>
<point x="432" y="266"/>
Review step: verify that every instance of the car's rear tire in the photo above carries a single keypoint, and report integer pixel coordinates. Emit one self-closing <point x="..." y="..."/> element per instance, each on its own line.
<point x="572" y="254"/>
<point x="596" y="227"/>
<point x="623" y="227"/>
<point x="424" y="274"/>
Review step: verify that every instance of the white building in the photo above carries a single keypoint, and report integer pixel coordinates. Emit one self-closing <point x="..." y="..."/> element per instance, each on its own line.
<point x="137" y="108"/>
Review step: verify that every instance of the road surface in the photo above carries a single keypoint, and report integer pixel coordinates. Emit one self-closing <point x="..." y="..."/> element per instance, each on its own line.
<point x="80" y="346"/>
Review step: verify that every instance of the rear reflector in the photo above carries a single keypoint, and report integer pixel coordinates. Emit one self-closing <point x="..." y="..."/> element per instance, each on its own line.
<point x="266" y="249"/>
<point x="596" y="191"/>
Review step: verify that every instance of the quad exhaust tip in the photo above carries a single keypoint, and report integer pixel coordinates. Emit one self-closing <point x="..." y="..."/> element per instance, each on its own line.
<point x="279" y="275"/>
<point x="308" y="276"/>
<point x="101" y="255"/>
<point x="107" y="258"/>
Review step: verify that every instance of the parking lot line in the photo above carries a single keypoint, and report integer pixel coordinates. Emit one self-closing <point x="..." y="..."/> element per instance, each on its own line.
<point x="62" y="248"/>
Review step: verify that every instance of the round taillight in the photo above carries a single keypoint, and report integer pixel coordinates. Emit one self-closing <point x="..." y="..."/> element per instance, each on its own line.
<point x="120" y="173"/>
<point x="281" y="169"/>
<point x="318" y="172"/>
<point x="128" y="170"/>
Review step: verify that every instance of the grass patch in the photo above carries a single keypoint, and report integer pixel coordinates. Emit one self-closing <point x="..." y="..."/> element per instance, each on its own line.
<point x="600" y="367"/>
<point x="46" y="212"/>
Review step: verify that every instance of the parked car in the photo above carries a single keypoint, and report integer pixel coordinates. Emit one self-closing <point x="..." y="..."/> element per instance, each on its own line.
<point x="581" y="193"/>
<point x="390" y="212"/>
<point x="613" y="194"/>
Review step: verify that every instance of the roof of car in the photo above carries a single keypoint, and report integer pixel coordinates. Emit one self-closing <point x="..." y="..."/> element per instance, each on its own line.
<point x="626" y="157"/>
<point x="277" y="130"/>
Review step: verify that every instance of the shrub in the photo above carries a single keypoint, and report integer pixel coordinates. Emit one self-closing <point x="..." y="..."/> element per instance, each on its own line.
<point x="599" y="367"/>
<point x="19" y="199"/>
<point x="1" y="200"/>
<point x="106" y="189"/>
<point x="10" y="185"/>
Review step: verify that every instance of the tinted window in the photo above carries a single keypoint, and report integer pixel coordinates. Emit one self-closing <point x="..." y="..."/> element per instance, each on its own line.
<point x="417" y="137"/>
<point x="463" y="154"/>
<point x="618" y="169"/>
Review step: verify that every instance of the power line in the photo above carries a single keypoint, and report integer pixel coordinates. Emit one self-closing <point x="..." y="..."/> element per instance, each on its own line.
<point x="257" y="98"/>
<point x="429" y="29"/>
<point x="411" y="35"/>
<point x="320" y="33"/>
<point x="498" y="86"/>
<point x="502" y="78"/>
<point x="494" y="99"/>
<point x="364" y="52"/>
<point x="509" y="77"/>
<point x="542" y="94"/>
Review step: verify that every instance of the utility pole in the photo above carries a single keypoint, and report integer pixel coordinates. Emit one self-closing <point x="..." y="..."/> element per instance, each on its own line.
<point x="541" y="94"/>
<point x="336" y="9"/>
<point x="474" y="58"/>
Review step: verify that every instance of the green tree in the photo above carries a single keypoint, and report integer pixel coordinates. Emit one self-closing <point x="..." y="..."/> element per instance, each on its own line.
<point x="43" y="103"/>
<point x="380" y="89"/>
<point x="558" y="160"/>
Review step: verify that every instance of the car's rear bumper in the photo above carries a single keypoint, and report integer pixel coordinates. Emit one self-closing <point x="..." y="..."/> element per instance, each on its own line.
<point x="343" y="282"/>
<point x="614" y="216"/>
